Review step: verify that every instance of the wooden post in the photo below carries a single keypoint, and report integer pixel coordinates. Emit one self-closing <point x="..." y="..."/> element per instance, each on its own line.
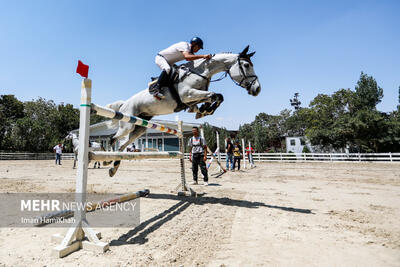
<point x="219" y="151"/>
<point x="75" y="236"/>
<point x="184" y="188"/>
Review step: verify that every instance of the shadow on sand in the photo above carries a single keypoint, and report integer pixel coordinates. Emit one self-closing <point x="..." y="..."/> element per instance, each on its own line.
<point x="138" y="235"/>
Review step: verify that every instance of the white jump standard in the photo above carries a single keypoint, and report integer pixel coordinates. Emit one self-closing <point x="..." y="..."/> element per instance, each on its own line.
<point x="81" y="235"/>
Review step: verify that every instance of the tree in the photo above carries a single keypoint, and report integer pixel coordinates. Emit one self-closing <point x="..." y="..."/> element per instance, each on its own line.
<point x="11" y="109"/>
<point x="295" y="102"/>
<point x="398" y="106"/>
<point x="368" y="93"/>
<point x="211" y="136"/>
<point x="327" y="119"/>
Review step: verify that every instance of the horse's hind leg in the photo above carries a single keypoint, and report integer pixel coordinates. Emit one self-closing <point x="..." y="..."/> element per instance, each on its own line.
<point x="136" y="133"/>
<point x="75" y="159"/>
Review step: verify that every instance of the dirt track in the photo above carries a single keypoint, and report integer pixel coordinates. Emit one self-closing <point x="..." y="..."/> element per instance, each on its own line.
<point x="277" y="214"/>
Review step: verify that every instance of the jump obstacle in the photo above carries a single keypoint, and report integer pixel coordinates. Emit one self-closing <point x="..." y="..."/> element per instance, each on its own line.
<point x="81" y="235"/>
<point x="51" y="216"/>
<point x="221" y="169"/>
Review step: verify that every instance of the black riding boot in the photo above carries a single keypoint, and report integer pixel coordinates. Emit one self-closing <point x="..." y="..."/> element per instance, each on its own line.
<point x="157" y="89"/>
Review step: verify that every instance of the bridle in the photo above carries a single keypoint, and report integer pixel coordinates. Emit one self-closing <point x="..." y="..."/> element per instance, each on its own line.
<point x="245" y="77"/>
<point x="223" y="76"/>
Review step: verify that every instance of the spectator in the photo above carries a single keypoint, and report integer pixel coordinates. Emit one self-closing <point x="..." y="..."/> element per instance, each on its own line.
<point x="249" y="152"/>
<point x="198" y="155"/>
<point x="236" y="155"/>
<point x="229" y="154"/>
<point x="58" y="150"/>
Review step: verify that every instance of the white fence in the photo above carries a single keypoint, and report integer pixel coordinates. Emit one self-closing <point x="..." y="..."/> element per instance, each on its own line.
<point x="262" y="157"/>
<point x="322" y="157"/>
<point x="33" y="156"/>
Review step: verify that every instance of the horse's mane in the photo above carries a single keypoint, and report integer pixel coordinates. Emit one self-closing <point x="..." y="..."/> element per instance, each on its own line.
<point x="190" y="63"/>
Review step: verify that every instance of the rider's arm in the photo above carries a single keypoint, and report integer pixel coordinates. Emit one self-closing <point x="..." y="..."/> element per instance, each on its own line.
<point x="189" y="56"/>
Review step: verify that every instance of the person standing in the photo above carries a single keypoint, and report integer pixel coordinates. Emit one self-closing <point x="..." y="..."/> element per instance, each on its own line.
<point x="249" y="152"/>
<point x="236" y="155"/>
<point x="58" y="150"/>
<point x="229" y="154"/>
<point x="198" y="155"/>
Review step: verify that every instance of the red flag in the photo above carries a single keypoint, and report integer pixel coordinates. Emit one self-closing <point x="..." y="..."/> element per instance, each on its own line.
<point x="82" y="69"/>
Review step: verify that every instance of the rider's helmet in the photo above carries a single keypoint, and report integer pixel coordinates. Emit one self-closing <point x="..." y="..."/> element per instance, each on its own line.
<point x="198" y="41"/>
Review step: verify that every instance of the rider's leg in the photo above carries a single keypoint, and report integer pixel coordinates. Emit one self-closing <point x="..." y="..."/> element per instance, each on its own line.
<point x="162" y="79"/>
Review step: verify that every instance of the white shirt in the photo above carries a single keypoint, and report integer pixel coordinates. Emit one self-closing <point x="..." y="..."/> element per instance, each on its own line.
<point x="197" y="144"/>
<point x="58" y="149"/>
<point x="174" y="54"/>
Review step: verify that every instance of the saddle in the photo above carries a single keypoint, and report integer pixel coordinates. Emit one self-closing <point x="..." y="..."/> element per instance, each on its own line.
<point x="170" y="85"/>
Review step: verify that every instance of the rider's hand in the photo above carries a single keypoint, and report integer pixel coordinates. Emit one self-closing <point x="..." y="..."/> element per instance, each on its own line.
<point x="208" y="56"/>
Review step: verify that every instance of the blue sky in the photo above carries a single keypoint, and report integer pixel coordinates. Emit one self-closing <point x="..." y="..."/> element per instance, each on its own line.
<point x="309" y="47"/>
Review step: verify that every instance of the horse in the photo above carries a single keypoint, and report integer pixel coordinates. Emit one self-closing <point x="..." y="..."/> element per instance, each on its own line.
<point x="93" y="146"/>
<point x="191" y="84"/>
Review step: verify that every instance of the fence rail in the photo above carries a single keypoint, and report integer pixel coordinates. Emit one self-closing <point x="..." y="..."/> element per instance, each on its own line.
<point x="261" y="157"/>
<point x="321" y="157"/>
<point x="33" y="156"/>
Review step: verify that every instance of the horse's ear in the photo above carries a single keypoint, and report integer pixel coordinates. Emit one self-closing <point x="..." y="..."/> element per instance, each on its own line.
<point x="251" y="54"/>
<point x="244" y="52"/>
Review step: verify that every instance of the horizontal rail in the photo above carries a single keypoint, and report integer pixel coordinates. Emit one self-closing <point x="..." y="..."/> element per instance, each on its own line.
<point x="49" y="217"/>
<point x="351" y="157"/>
<point x="101" y="155"/>
<point x="112" y="114"/>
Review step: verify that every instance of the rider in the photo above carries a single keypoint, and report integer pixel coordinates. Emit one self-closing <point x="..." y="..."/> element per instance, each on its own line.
<point x="169" y="56"/>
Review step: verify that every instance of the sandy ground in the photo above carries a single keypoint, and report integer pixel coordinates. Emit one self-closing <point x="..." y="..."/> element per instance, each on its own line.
<point x="277" y="214"/>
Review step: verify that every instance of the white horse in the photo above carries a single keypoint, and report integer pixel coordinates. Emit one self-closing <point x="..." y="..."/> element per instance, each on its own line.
<point x="191" y="84"/>
<point x="93" y="146"/>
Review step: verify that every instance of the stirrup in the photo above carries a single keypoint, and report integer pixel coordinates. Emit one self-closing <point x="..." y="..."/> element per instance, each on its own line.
<point x="159" y="96"/>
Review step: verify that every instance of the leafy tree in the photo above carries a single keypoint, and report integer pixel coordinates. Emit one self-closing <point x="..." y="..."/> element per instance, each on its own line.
<point x="37" y="130"/>
<point x="368" y="93"/>
<point x="67" y="120"/>
<point x="295" y="102"/>
<point x="211" y="136"/>
<point x="11" y="109"/>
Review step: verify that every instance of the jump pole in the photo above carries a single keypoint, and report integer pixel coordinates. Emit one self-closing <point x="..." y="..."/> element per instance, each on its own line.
<point x="48" y="217"/>
<point x="244" y="154"/>
<point x="106" y="156"/>
<point x="219" y="150"/>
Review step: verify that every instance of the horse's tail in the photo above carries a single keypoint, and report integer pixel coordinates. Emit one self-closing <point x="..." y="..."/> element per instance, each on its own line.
<point x="116" y="105"/>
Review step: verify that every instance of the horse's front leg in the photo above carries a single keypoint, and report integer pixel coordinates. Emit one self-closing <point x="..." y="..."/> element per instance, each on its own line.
<point x="208" y="108"/>
<point x="193" y="109"/>
<point x="195" y="96"/>
<point x="211" y="101"/>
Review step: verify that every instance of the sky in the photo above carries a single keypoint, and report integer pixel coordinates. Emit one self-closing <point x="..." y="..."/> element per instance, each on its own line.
<point x="309" y="47"/>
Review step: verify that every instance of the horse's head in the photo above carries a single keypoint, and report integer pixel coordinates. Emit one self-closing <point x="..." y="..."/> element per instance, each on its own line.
<point x="68" y="137"/>
<point x="242" y="72"/>
<point x="71" y="136"/>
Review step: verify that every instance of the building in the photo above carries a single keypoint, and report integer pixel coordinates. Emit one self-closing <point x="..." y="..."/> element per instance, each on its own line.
<point x="296" y="144"/>
<point x="152" y="140"/>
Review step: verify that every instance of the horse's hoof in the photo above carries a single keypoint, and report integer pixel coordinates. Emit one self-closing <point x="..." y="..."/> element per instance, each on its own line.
<point x="199" y="115"/>
<point x="111" y="172"/>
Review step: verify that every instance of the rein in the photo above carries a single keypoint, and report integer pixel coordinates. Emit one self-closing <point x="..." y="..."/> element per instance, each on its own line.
<point x="223" y="76"/>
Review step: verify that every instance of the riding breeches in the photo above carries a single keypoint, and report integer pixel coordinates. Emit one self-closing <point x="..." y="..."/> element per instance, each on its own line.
<point x="162" y="64"/>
